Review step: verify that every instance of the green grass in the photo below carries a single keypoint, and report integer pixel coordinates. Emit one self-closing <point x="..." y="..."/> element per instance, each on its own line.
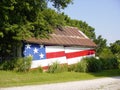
<point x="9" y="78"/>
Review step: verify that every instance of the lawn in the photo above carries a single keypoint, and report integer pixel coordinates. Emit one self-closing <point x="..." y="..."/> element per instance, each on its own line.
<point x="10" y="78"/>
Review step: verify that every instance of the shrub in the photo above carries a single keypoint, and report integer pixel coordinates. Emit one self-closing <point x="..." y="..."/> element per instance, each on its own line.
<point x="40" y="69"/>
<point x="90" y="64"/>
<point x="109" y="63"/>
<point x="56" y="68"/>
<point x="23" y="64"/>
<point x="7" y="65"/>
<point x="82" y="66"/>
<point x="64" y="67"/>
<point x="17" y="64"/>
<point x="94" y="65"/>
<point x="71" y="67"/>
<point x="37" y="70"/>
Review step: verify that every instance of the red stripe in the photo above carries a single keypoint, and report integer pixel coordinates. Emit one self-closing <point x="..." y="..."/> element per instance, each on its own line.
<point x="55" y="54"/>
<point x="79" y="53"/>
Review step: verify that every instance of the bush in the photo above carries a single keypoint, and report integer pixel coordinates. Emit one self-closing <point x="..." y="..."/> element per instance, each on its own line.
<point x="71" y="67"/>
<point x="109" y="63"/>
<point x="94" y="65"/>
<point x="7" y="65"/>
<point x="82" y="66"/>
<point x="23" y="64"/>
<point x="40" y="69"/>
<point x="64" y="67"/>
<point x="56" y="68"/>
<point x="37" y="70"/>
<point x="17" y="64"/>
<point x="89" y="65"/>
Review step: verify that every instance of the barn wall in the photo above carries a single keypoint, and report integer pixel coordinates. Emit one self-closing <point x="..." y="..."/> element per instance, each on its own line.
<point x="60" y="54"/>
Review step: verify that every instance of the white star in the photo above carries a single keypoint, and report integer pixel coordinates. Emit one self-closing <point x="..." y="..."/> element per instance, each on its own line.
<point x="41" y="46"/>
<point x="28" y="46"/>
<point x="35" y="50"/>
<point x="41" y="55"/>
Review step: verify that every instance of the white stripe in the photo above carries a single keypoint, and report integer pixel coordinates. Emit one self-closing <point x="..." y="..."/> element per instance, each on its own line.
<point x="39" y="63"/>
<point x="47" y="62"/>
<point x="74" y="60"/>
<point x="75" y="49"/>
<point x="77" y="59"/>
<point x="60" y="60"/>
<point x="54" y="48"/>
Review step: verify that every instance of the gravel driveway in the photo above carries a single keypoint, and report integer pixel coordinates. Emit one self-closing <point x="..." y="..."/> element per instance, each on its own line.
<point x="110" y="83"/>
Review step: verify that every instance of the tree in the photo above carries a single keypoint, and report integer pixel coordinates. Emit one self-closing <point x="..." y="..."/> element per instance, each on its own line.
<point x="106" y="53"/>
<point x="115" y="48"/>
<point x="101" y="44"/>
<point x="60" y="4"/>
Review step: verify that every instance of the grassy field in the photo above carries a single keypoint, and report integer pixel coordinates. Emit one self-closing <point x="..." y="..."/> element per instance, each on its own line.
<point x="9" y="78"/>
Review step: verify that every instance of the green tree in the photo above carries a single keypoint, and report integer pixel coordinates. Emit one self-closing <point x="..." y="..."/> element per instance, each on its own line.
<point x="115" y="48"/>
<point x="106" y="53"/>
<point x="101" y="44"/>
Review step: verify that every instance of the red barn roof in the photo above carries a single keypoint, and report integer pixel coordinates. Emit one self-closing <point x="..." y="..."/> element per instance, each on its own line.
<point x="68" y="36"/>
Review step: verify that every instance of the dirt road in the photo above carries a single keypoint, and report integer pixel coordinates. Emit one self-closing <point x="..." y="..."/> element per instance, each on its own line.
<point x="110" y="83"/>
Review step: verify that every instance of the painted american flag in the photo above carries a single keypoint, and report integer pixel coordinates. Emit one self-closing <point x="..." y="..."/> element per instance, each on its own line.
<point x="46" y="55"/>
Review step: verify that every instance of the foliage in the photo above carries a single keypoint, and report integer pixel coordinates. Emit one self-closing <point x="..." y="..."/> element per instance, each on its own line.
<point x="94" y="65"/>
<point x="17" y="64"/>
<point x="22" y="19"/>
<point x="82" y="66"/>
<point x="106" y="53"/>
<point x="101" y="44"/>
<point x="40" y="69"/>
<point x="37" y="70"/>
<point x="89" y="65"/>
<point x="71" y="67"/>
<point x="23" y="64"/>
<point x="60" y="4"/>
<point x="111" y="63"/>
<point x="115" y="48"/>
<point x="56" y="68"/>
<point x="7" y="64"/>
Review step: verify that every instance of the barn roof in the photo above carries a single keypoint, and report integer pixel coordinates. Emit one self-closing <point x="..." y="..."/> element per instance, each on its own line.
<point x="68" y="36"/>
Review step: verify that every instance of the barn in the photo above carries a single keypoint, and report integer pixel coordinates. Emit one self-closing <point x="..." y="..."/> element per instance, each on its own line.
<point x="66" y="46"/>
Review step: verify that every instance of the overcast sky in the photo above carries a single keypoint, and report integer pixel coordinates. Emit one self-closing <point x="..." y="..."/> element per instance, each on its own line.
<point x="103" y="15"/>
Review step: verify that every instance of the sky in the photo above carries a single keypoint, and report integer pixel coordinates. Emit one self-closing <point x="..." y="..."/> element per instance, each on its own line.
<point x="103" y="15"/>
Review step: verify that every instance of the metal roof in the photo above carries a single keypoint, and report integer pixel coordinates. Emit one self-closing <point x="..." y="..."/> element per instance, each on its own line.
<point x="68" y="36"/>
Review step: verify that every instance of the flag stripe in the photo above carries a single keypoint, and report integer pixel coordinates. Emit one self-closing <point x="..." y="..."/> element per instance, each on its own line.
<point x="79" y="53"/>
<point x="55" y="54"/>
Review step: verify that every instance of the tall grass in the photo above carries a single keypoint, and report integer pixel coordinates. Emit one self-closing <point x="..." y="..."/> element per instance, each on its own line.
<point x="57" y="68"/>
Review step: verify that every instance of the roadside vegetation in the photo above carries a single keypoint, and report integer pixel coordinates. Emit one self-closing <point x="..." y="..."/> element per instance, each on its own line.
<point x="87" y="68"/>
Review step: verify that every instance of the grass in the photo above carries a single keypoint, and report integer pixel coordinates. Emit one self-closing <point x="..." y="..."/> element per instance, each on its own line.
<point x="9" y="78"/>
